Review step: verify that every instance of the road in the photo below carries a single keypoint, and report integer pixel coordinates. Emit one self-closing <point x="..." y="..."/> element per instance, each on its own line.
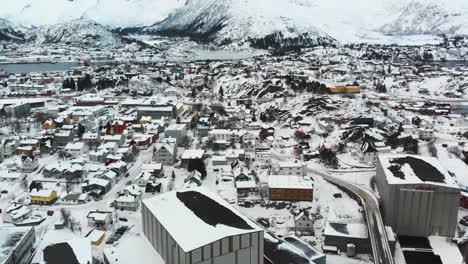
<point x="377" y="234"/>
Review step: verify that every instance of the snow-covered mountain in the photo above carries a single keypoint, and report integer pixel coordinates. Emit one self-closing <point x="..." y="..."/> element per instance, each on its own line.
<point x="225" y="21"/>
<point x="79" y="32"/>
<point x="113" y="13"/>
<point x="9" y="32"/>
<point x="303" y="22"/>
<point x="419" y="18"/>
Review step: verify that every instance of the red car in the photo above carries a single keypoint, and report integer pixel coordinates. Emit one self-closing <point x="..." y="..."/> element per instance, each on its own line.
<point x="50" y="213"/>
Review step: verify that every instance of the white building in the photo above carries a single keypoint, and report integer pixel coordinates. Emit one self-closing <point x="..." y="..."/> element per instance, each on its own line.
<point x="291" y="168"/>
<point x="165" y="151"/>
<point x="197" y="226"/>
<point x="177" y="131"/>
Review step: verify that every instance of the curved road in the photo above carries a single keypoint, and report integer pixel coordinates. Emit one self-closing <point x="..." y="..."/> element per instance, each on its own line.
<point x="377" y="234"/>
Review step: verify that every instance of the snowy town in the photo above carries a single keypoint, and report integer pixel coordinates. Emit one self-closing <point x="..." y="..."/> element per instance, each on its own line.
<point x="348" y="154"/>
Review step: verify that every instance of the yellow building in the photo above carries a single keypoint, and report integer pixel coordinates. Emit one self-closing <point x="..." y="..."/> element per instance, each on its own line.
<point x="345" y="89"/>
<point x="46" y="197"/>
<point x="49" y="124"/>
<point x="96" y="237"/>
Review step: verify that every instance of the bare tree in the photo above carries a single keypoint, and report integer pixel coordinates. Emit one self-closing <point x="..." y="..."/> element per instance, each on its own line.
<point x="66" y="217"/>
<point x="24" y="184"/>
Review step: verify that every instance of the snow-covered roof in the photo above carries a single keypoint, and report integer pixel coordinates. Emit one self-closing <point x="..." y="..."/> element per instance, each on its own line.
<point x="151" y="166"/>
<point x="353" y="230"/>
<point x="193" y="154"/>
<point x="210" y="217"/>
<point x="246" y="184"/>
<point x="98" y="216"/>
<point x="95" y="235"/>
<point x="413" y="169"/>
<point x="288" y="182"/>
<point x="41" y="193"/>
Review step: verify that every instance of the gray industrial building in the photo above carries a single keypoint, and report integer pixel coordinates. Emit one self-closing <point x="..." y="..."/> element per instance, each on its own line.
<point x="198" y="227"/>
<point x="419" y="197"/>
<point x="16" y="244"/>
<point x="157" y="112"/>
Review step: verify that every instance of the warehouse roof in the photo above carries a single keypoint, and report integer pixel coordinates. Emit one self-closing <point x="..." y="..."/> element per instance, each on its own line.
<point x="210" y="217"/>
<point x="413" y="169"/>
<point x="289" y="182"/>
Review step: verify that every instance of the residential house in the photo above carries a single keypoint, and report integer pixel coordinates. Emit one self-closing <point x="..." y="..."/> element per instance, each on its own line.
<point x="43" y="197"/>
<point x="101" y="220"/>
<point x="118" y="127"/>
<point x="165" y="151"/>
<point x="304" y="223"/>
<point x="127" y="202"/>
<point x="16" y="213"/>
<point x="177" y="131"/>
<point x="92" y="140"/>
<point x="28" y="164"/>
<point x="76" y="149"/>
<point x="119" y="139"/>
<point x="63" y="137"/>
<point x="156" y="169"/>
<point x="291" y="168"/>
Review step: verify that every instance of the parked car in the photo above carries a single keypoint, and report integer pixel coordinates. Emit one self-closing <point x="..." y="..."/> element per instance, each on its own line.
<point x="4" y="192"/>
<point x="50" y="213"/>
<point x="463" y="222"/>
<point x="123" y="219"/>
<point x="264" y="222"/>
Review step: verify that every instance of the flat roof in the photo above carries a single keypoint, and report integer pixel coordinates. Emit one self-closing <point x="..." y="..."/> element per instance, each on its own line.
<point x="346" y="230"/>
<point x="210" y="217"/>
<point x="289" y="182"/>
<point x="193" y="154"/>
<point x="414" y="169"/>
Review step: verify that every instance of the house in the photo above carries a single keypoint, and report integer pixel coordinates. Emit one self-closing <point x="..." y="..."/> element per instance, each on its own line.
<point x="143" y="178"/>
<point x="177" y="131"/>
<point x="426" y="134"/>
<point x="97" y="186"/>
<point x="165" y="151"/>
<point x="157" y="112"/>
<point x="49" y="124"/>
<point x="127" y="202"/>
<point x="25" y="150"/>
<point x="64" y="170"/>
<point x="190" y="155"/>
<point x="291" y="168"/>
<point x="194" y="179"/>
<point x="8" y="146"/>
<point x="92" y="140"/>
<point x="28" y="164"/>
<point x="63" y="137"/>
<point x="76" y="149"/>
<point x="223" y="135"/>
<point x="43" y="197"/>
<point x="101" y="220"/>
<point x="304" y="223"/>
<point x="119" y="139"/>
<point x="75" y="198"/>
<point x="156" y="169"/>
<point x="16" y="213"/>
<point x="247" y="190"/>
<point x="118" y="127"/>
<point x="98" y="156"/>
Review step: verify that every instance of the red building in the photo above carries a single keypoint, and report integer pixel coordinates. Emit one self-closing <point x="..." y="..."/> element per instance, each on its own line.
<point x="464" y="199"/>
<point x="118" y="127"/>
